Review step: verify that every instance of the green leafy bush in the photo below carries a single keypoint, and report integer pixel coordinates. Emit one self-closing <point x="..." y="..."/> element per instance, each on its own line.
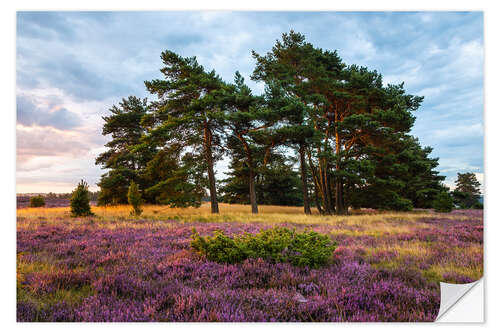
<point x="79" y="201"/>
<point x="307" y="248"/>
<point x="443" y="203"/>
<point x="134" y="199"/>
<point x="37" y="201"/>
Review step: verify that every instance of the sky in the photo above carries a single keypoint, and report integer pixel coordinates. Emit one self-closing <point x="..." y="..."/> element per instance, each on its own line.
<point x="72" y="67"/>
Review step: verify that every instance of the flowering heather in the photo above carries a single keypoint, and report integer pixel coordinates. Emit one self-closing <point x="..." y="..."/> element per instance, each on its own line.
<point x="385" y="268"/>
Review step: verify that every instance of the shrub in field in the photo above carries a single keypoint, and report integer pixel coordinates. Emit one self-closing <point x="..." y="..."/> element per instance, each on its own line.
<point x="401" y="204"/>
<point x="443" y="203"/>
<point x="307" y="248"/>
<point x="79" y="201"/>
<point x="478" y="205"/>
<point x="134" y="199"/>
<point x="37" y="201"/>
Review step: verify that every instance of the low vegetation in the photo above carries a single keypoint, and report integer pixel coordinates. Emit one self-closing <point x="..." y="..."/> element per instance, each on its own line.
<point x="443" y="203"/>
<point x="37" y="201"/>
<point x="276" y="245"/>
<point x="134" y="199"/>
<point x="115" y="267"/>
<point x="79" y="202"/>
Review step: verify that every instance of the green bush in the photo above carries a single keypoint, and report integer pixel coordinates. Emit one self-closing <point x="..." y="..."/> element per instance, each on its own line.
<point x="134" y="199"/>
<point x="37" y="201"/>
<point x="307" y="248"/>
<point x="401" y="204"/>
<point x="79" y="201"/>
<point x="465" y="200"/>
<point x="478" y="205"/>
<point x="443" y="203"/>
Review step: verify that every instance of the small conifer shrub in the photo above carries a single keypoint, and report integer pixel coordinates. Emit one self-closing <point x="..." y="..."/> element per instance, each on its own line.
<point x="134" y="199"/>
<point x="79" y="202"/>
<point x="37" y="201"/>
<point x="443" y="203"/>
<point x="307" y="248"/>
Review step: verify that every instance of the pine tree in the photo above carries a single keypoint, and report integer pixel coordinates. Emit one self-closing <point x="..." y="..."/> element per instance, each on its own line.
<point x="353" y="115"/>
<point x="248" y="121"/>
<point x="287" y="70"/>
<point x="468" y="183"/>
<point x="467" y="191"/>
<point x="124" y="163"/>
<point x="187" y="112"/>
<point x="79" y="201"/>
<point x="134" y="199"/>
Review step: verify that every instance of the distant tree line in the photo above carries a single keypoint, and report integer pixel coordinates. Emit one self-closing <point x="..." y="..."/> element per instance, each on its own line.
<point x="323" y="134"/>
<point x="93" y="196"/>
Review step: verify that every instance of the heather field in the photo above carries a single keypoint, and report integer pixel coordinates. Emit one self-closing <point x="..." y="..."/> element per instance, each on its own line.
<point x="114" y="267"/>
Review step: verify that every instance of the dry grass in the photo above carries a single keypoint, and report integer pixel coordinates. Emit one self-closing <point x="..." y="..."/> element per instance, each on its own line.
<point x="157" y="211"/>
<point x="113" y="216"/>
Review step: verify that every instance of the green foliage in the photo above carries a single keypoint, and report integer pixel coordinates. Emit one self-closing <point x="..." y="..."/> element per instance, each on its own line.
<point x="354" y="119"/>
<point x="188" y="112"/>
<point x="277" y="184"/>
<point x="478" y="205"/>
<point x="79" y="201"/>
<point x="307" y="248"/>
<point x="443" y="203"/>
<point x="37" y="201"/>
<point x="123" y="159"/>
<point x="350" y="131"/>
<point x="466" y="193"/>
<point x="467" y="183"/>
<point x="465" y="200"/>
<point x="114" y="186"/>
<point x="175" y="181"/>
<point x="133" y="156"/>
<point x="134" y="199"/>
<point x="401" y="204"/>
<point x="402" y="179"/>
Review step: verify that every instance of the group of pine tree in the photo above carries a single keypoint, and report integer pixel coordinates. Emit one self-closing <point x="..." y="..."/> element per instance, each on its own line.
<point x="323" y="134"/>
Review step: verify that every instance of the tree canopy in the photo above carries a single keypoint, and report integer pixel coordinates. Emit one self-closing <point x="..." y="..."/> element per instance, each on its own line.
<point x="323" y="134"/>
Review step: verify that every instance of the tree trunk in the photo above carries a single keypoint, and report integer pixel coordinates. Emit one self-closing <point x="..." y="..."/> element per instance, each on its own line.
<point x="253" y="196"/>
<point x="210" y="169"/>
<point x="339" y="198"/>
<point x="327" y="205"/>
<point x="316" y="198"/>
<point x="330" y="193"/>
<point x="339" y="190"/>
<point x="303" y="174"/>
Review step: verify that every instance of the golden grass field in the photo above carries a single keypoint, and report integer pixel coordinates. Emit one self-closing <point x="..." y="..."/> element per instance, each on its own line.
<point x="228" y="213"/>
<point x="113" y="216"/>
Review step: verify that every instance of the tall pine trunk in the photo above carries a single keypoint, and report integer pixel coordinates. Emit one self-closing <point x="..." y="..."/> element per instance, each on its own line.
<point x="251" y="177"/>
<point x="339" y="198"/>
<point x="253" y="195"/>
<point x="325" y="191"/>
<point x="339" y="186"/>
<point x="214" y="205"/>
<point x="303" y="174"/>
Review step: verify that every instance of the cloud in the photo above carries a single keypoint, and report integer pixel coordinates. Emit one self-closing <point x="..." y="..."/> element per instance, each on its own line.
<point x="73" y="66"/>
<point x="38" y="141"/>
<point x="51" y="114"/>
